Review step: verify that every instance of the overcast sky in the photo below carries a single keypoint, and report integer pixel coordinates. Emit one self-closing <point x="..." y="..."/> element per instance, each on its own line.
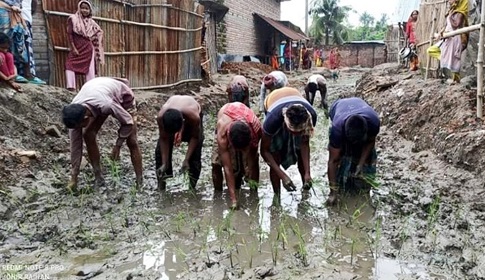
<point x="294" y="10"/>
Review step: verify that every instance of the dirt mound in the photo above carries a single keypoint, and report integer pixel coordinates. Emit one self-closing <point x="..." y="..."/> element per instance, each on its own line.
<point x="243" y="67"/>
<point x="432" y="114"/>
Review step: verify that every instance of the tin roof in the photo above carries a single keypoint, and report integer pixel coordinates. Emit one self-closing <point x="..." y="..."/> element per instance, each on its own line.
<point x="280" y="27"/>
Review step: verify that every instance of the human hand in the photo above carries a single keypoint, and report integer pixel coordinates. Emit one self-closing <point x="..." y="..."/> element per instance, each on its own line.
<point x="161" y="171"/>
<point x="358" y="171"/>
<point x="16" y="9"/>
<point x="308" y="182"/>
<point x="289" y="185"/>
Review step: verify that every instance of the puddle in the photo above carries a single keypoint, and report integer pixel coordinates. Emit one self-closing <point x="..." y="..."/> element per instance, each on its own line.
<point x="388" y="269"/>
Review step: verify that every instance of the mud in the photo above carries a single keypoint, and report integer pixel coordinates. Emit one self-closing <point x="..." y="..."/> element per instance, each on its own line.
<point x="423" y="221"/>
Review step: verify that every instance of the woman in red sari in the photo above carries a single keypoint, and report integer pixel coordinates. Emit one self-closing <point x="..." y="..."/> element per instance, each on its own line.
<point x="411" y="35"/>
<point x="86" y="44"/>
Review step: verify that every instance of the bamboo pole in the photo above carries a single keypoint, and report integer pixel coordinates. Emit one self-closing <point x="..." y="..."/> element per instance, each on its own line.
<point x="458" y="31"/>
<point x="481" y="41"/>
<point x="169" y="85"/>
<point x="428" y="59"/>
<point x="138" y="52"/>
<point x="128" y="22"/>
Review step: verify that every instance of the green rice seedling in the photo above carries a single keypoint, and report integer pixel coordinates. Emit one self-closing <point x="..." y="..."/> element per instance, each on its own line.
<point x="274" y="252"/>
<point x="282" y="234"/>
<point x="337" y="232"/>
<point x="352" y="252"/>
<point x="433" y="212"/>
<point x="253" y="185"/>
<point x="180" y="220"/>
<point x="302" y="252"/>
<point x="114" y="170"/>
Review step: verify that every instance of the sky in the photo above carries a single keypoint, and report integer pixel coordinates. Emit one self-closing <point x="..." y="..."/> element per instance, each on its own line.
<point x="294" y="10"/>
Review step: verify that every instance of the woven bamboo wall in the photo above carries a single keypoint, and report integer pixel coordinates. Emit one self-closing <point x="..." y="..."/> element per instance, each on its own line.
<point x="424" y="29"/>
<point x="153" y="43"/>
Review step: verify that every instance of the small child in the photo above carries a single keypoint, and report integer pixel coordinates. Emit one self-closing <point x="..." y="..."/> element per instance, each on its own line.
<point x="8" y="72"/>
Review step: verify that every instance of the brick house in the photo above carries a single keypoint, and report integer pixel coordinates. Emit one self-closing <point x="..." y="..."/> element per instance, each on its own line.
<point x="40" y="44"/>
<point x="239" y="29"/>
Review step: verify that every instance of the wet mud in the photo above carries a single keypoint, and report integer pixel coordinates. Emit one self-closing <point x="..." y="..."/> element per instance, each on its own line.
<point x="423" y="220"/>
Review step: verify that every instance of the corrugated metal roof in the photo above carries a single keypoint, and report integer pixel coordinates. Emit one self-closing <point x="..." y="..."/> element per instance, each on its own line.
<point x="378" y="42"/>
<point x="217" y="9"/>
<point x="294" y="35"/>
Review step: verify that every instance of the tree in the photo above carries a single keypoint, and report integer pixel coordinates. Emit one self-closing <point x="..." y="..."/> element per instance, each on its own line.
<point x="366" y="20"/>
<point x="328" y="18"/>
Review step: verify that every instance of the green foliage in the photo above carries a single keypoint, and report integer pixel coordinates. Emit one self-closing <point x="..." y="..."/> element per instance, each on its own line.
<point x="329" y="26"/>
<point x="369" y="28"/>
<point x="328" y="21"/>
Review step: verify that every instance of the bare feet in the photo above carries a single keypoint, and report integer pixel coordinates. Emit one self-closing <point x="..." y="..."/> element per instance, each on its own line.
<point x="15" y="86"/>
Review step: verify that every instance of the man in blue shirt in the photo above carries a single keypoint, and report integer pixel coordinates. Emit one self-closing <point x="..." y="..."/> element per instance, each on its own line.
<point x="352" y="153"/>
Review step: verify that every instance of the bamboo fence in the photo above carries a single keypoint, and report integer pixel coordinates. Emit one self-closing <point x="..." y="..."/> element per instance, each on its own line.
<point x="153" y="43"/>
<point x="426" y="25"/>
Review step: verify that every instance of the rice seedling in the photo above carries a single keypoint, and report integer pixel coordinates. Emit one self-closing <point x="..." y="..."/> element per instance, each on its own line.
<point x="274" y="252"/>
<point x="352" y="252"/>
<point x="114" y="170"/>
<point x="302" y="251"/>
<point x="433" y="209"/>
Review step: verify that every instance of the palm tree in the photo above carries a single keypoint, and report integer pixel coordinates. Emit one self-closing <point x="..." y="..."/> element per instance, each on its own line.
<point x="367" y="20"/>
<point x="328" y="19"/>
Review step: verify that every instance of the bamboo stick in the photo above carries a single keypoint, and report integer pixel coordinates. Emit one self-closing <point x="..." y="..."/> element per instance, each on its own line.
<point x="169" y="85"/>
<point x="428" y="59"/>
<point x="458" y="31"/>
<point x="480" y="63"/>
<point x="128" y="22"/>
<point x="138" y="52"/>
<point x="168" y="6"/>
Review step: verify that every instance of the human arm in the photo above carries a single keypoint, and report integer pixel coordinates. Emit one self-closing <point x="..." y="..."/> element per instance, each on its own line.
<point x="225" y="157"/>
<point x="305" y="156"/>
<point x="253" y="163"/>
<point x="246" y="96"/>
<point x="269" y="159"/>
<point x="262" y="96"/>
<point x="76" y="143"/>
<point x="456" y="20"/>
<point x="366" y="150"/>
<point x="194" y="139"/>
<point x="229" y="94"/>
<point x="70" y="36"/>
<point x="164" y="146"/>
<point x="333" y="163"/>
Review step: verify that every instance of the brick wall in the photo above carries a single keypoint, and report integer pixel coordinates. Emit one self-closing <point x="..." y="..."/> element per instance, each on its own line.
<point x="365" y="55"/>
<point x="238" y="32"/>
<point x="40" y="44"/>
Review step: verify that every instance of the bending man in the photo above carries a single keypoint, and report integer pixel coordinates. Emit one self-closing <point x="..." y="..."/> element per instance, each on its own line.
<point x="286" y="135"/>
<point x="179" y="120"/>
<point x="352" y="153"/>
<point x="235" y="147"/>
<point x="98" y="99"/>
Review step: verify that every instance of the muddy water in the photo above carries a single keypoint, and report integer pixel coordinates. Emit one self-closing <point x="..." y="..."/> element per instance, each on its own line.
<point x="121" y="233"/>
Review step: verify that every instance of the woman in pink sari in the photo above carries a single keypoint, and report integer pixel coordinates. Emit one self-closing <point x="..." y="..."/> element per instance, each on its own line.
<point x="86" y="45"/>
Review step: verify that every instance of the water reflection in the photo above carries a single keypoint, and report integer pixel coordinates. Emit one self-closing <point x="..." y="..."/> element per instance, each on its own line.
<point x="155" y="259"/>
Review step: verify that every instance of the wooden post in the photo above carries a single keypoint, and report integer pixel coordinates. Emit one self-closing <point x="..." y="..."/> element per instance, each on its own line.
<point x="481" y="41"/>
<point x="428" y="58"/>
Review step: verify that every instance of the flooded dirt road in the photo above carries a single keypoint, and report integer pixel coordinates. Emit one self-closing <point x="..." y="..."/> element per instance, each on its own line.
<point x="413" y="225"/>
